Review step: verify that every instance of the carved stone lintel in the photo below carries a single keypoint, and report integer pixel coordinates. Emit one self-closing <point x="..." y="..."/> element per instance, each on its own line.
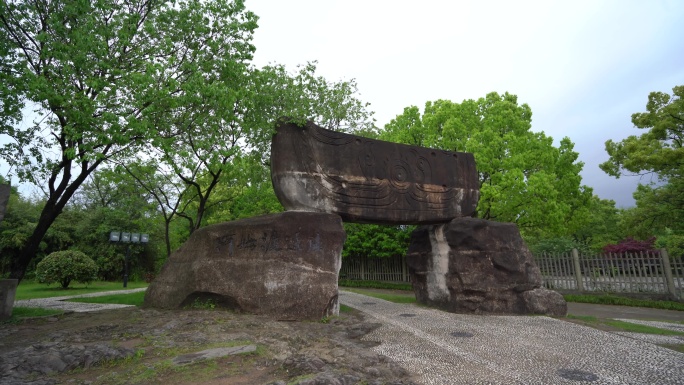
<point x="370" y="181"/>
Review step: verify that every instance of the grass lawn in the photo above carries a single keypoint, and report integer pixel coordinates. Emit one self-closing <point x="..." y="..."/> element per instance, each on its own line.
<point x="29" y="312"/>
<point x="397" y="297"/>
<point x="31" y="290"/>
<point x="609" y="299"/>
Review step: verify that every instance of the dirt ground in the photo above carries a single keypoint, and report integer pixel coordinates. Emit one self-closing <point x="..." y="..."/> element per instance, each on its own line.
<point x="325" y="352"/>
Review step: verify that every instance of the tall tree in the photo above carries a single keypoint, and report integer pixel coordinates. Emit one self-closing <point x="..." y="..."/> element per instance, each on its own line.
<point x="523" y="177"/>
<point x="228" y="117"/>
<point x="660" y="206"/>
<point x="658" y="150"/>
<point x="99" y="74"/>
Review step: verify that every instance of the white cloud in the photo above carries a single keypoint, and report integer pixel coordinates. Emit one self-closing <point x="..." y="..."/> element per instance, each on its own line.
<point x="583" y="66"/>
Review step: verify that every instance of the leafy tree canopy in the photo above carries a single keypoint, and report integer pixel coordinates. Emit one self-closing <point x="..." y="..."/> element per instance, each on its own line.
<point x="66" y="266"/>
<point x="524" y="178"/>
<point x="99" y="75"/>
<point x="376" y="241"/>
<point x="658" y="150"/>
<point x="659" y="207"/>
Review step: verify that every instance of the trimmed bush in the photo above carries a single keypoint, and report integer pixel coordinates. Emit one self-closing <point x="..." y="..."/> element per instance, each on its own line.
<point x="66" y="266"/>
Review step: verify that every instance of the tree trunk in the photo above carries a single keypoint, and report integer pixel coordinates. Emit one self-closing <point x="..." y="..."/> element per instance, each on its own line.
<point x="28" y="252"/>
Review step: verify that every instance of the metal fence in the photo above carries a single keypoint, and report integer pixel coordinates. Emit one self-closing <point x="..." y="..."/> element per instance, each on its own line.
<point x="391" y="269"/>
<point x="652" y="272"/>
<point x="648" y="273"/>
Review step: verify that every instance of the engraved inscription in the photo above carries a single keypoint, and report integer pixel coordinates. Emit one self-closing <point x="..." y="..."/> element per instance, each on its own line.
<point x="267" y="241"/>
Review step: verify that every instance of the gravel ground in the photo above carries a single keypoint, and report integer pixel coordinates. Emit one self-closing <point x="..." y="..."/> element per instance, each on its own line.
<point x="381" y="343"/>
<point x="445" y="348"/>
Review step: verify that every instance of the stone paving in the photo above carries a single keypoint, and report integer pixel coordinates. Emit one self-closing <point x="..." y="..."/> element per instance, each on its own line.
<point x="60" y="303"/>
<point x="446" y="348"/>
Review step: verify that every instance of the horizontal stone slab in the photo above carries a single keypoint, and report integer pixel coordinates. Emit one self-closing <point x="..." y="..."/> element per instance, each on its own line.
<point x="370" y="181"/>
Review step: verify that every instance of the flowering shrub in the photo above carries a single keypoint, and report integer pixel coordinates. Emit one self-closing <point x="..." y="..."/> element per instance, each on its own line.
<point x="66" y="266"/>
<point x="631" y="245"/>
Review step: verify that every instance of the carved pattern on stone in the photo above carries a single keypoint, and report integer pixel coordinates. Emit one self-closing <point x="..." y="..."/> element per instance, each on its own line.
<point x="358" y="177"/>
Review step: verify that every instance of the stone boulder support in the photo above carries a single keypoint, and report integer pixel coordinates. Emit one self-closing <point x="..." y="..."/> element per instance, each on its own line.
<point x="283" y="265"/>
<point x="8" y="289"/>
<point x="476" y="266"/>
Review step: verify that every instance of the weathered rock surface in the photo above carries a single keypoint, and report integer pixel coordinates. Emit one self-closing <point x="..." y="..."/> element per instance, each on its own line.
<point x="476" y="266"/>
<point x="45" y="351"/>
<point x="8" y="289"/>
<point x="371" y="181"/>
<point x="4" y="198"/>
<point x="281" y="265"/>
<point x="16" y="367"/>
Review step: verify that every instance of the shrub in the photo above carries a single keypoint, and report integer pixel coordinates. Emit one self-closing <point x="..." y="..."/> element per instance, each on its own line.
<point x="66" y="266"/>
<point x="631" y="245"/>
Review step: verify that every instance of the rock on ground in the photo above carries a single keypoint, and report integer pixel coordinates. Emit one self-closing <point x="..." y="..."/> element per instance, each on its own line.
<point x="476" y="266"/>
<point x="283" y="265"/>
<point x="119" y="346"/>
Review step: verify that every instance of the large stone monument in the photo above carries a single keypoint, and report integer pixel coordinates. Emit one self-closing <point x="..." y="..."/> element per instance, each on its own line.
<point x="286" y="265"/>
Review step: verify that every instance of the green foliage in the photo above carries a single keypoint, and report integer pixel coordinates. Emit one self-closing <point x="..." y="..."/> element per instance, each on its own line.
<point x="135" y="299"/>
<point x="20" y="313"/>
<point x="66" y="266"/>
<point x="28" y="289"/>
<point x="559" y="245"/>
<point x="624" y="301"/>
<point x="523" y="177"/>
<point x="376" y="241"/>
<point x="391" y="297"/>
<point x="103" y="77"/>
<point x="16" y="228"/>
<point x="659" y="207"/>
<point x="375" y="284"/>
<point x="202" y="304"/>
<point x="659" y="150"/>
<point x="672" y="242"/>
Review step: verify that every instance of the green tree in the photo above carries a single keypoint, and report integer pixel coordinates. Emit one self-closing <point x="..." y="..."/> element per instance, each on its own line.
<point x="659" y="150"/>
<point x="376" y="241"/>
<point x="106" y="202"/>
<point x="660" y="206"/>
<point x="100" y="74"/>
<point x="66" y="266"/>
<point x="590" y="229"/>
<point x="523" y="177"/>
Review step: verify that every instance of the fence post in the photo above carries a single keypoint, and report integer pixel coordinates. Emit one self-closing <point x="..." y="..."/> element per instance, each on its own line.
<point x="404" y="273"/>
<point x="667" y="269"/>
<point x="363" y="268"/>
<point x="578" y="271"/>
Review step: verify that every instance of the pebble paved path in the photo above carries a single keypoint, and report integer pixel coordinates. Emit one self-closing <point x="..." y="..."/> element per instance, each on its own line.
<point x="445" y="348"/>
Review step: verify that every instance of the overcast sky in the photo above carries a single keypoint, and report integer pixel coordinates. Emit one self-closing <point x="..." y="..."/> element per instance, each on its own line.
<point x="584" y="67"/>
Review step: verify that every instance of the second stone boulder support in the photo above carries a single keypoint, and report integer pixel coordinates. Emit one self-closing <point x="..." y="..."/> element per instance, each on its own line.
<point x="476" y="266"/>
